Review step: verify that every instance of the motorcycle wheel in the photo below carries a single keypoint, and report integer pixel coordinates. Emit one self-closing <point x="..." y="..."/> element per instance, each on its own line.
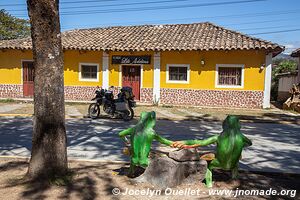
<point x="94" y="111"/>
<point x="128" y="115"/>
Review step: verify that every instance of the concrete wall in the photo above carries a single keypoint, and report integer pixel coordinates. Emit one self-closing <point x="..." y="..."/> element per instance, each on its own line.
<point x="284" y="85"/>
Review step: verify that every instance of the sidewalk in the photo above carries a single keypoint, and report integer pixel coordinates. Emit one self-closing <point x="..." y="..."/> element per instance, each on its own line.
<point x="79" y="110"/>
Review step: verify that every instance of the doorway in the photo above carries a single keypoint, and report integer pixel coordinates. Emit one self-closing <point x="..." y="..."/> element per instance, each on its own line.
<point x="131" y="77"/>
<point x="28" y="78"/>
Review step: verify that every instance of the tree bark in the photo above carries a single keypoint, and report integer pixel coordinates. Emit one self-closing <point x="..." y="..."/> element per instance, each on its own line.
<point x="49" y="153"/>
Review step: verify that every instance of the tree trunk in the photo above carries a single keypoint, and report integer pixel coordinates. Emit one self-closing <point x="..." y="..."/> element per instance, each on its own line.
<point x="49" y="153"/>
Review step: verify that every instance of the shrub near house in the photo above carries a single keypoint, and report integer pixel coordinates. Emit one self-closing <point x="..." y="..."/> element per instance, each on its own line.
<point x="185" y="64"/>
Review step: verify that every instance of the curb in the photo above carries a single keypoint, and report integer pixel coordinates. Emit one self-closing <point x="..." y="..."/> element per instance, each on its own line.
<point x="15" y="115"/>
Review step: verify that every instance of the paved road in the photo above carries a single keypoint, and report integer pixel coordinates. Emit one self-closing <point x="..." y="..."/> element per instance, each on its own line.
<point x="275" y="146"/>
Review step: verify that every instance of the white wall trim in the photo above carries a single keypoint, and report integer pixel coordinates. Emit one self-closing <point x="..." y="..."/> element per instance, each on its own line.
<point x="242" y="66"/>
<point x="87" y="79"/>
<point x="142" y="78"/>
<point x="178" y="65"/>
<point x="120" y="75"/>
<point x="156" y="78"/>
<point x="105" y="70"/>
<point x="268" y="79"/>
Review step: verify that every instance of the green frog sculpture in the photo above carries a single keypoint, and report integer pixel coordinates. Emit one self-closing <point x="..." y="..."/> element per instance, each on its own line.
<point x="230" y="144"/>
<point x="141" y="138"/>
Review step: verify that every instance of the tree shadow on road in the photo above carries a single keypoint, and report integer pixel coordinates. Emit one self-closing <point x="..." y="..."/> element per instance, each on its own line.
<point x="98" y="139"/>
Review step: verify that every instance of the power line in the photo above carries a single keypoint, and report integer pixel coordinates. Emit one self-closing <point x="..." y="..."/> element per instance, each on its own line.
<point x="212" y="17"/>
<point x="159" y="7"/>
<point x="145" y="22"/>
<point x="135" y="9"/>
<point x="273" y="32"/>
<point x="262" y="22"/>
<point x="261" y="28"/>
<point x="65" y="2"/>
<point x="113" y="5"/>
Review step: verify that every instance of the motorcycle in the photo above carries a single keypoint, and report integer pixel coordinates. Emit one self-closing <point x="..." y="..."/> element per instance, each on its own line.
<point x="120" y="107"/>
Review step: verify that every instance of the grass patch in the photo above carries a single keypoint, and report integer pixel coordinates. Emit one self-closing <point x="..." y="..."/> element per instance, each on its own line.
<point x="7" y="100"/>
<point x="62" y="180"/>
<point x="167" y="106"/>
<point x="76" y="103"/>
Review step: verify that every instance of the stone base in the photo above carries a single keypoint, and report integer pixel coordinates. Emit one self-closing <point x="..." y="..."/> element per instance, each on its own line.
<point x="11" y="91"/>
<point x="146" y="95"/>
<point x="165" y="172"/>
<point x="212" y="98"/>
<point x="80" y="93"/>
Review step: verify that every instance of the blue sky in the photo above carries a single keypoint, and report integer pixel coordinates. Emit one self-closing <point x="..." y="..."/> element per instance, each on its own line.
<point x="274" y="20"/>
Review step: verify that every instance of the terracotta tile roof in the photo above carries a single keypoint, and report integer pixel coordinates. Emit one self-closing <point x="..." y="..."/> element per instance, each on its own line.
<point x="197" y="36"/>
<point x="296" y="53"/>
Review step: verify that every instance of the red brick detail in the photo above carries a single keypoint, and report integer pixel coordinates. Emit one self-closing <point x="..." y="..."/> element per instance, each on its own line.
<point x="84" y="93"/>
<point x="81" y="93"/>
<point x="212" y="98"/>
<point x="11" y="91"/>
<point x="146" y="95"/>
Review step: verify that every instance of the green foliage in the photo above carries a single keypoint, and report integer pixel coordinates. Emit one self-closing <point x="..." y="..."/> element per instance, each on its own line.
<point x="285" y="66"/>
<point x="12" y="27"/>
<point x="167" y="106"/>
<point x="62" y="180"/>
<point x="7" y="100"/>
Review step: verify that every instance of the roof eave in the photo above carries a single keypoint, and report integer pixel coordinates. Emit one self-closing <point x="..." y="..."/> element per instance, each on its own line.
<point x="295" y="54"/>
<point x="277" y="50"/>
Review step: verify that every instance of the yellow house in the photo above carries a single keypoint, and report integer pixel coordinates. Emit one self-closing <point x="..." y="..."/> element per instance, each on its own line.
<point x="182" y="64"/>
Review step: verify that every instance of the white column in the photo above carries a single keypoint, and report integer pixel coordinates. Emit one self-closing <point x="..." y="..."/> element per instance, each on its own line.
<point x="105" y="71"/>
<point x="156" y="81"/>
<point x="268" y="79"/>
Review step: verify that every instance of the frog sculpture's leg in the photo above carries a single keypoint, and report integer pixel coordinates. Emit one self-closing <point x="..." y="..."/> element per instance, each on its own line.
<point x="214" y="164"/>
<point x="123" y="135"/>
<point x="141" y="137"/>
<point x="131" y="170"/>
<point x="230" y="144"/>
<point x="235" y="172"/>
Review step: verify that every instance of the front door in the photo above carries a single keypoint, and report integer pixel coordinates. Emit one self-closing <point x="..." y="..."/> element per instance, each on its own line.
<point x="28" y="78"/>
<point x="131" y="78"/>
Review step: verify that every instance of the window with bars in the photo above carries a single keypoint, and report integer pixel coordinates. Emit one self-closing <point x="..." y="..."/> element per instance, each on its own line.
<point x="178" y="73"/>
<point x="89" y="71"/>
<point x="230" y="76"/>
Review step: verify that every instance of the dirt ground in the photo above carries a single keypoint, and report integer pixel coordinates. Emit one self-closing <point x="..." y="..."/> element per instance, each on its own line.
<point x="97" y="180"/>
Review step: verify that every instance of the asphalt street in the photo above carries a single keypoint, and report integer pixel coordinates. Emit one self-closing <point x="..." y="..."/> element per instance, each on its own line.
<point x="275" y="146"/>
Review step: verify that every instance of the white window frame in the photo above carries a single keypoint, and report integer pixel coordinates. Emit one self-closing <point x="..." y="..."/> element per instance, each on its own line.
<point x="87" y="79"/>
<point x="242" y="66"/>
<point x="178" y="65"/>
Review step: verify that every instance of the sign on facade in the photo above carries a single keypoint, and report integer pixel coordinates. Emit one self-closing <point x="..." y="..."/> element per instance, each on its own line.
<point x="131" y="60"/>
